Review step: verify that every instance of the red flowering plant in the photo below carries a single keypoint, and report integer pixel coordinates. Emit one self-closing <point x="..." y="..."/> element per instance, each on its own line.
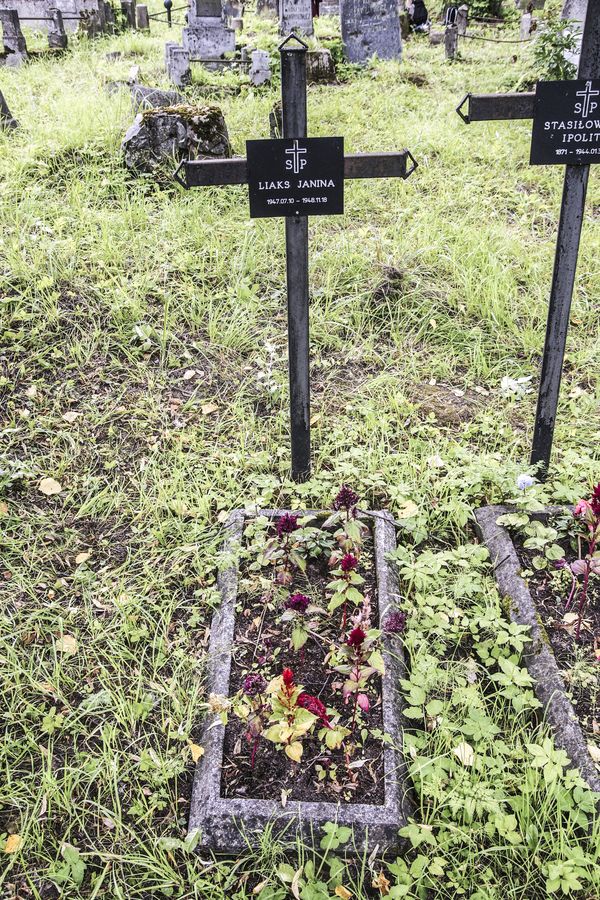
<point x="587" y="565"/>
<point x="290" y="720"/>
<point x="293" y="542"/>
<point x="359" y="658"/>
<point x="344" y="586"/>
<point x="351" y="530"/>
<point x="300" y="611"/>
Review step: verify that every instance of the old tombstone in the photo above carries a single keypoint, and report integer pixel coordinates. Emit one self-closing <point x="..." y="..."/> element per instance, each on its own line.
<point x="177" y="61"/>
<point x="462" y="19"/>
<point x="565" y="131"/>
<point x="160" y="135"/>
<point x="142" y="17"/>
<point x="295" y="177"/>
<point x="575" y="10"/>
<point x="296" y="16"/>
<point x="206" y="36"/>
<point x="15" y="46"/>
<point x="57" y="36"/>
<point x="320" y="67"/>
<point x="38" y="13"/>
<point x="7" y="120"/>
<point x="128" y="11"/>
<point x="525" y="26"/>
<point x="267" y="8"/>
<point x="329" y="8"/>
<point x="260" y="67"/>
<point x="369" y="28"/>
<point x="451" y="41"/>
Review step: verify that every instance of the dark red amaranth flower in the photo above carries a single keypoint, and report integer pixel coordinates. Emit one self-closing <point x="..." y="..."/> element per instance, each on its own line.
<point x="395" y="623"/>
<point x="356" y="637"/>
<point x="286" y="524"/>
<point x="315" y="706"/>
<point x="288" y="678"/>
<point x="349" y="562"/>
<point x="346" y="498"/>
<point x="595" y="501"/>
<point x="297" y="602"/>
<point x="254" y="684"/>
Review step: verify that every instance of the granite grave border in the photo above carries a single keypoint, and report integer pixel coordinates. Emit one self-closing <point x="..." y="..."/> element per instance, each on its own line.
<point x="549" y="686"/>
<point x="231" y="825"/>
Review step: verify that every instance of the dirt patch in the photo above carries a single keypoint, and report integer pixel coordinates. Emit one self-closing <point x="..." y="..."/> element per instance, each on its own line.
<point x="450" y="405"/>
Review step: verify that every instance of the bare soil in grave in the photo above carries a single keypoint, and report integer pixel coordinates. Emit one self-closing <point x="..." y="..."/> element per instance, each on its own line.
<point x="550" y="601"/>
<point x="263" y="645"/>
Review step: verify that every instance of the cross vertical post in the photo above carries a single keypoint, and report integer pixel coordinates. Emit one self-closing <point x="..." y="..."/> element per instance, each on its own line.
<point x="293" y="102"/>
<point x="565" y="265"/>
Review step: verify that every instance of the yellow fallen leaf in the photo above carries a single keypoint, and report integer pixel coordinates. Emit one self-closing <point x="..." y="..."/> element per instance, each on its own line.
<point x="208" y="408"/>
<point x="382" y="884"/>
<point x="465" y="753"/>
<point x="594" y="752"/>
<point x="197" y="750"/>
<point x="316" y="418"/>
<point x="13" y="843"/>
<point x="50" y="486"/>
<point x="3" y="508"/>
<point x="408" y="510"/>
<point x="82" y="557"/>
<point x="342" y="892"/>
<point x="67" y="644"/>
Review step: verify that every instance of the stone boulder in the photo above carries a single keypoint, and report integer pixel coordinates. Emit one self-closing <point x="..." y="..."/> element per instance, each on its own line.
<point x="169" y="135"/>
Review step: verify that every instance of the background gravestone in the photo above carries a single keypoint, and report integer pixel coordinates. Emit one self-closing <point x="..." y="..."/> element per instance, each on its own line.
<point x="37" y="12"/>
<point x="296" y="15"/>
<point x="206" y="35"/>
<point x="15" y="46"/>
<point x="576" y="10"/>
<point x="267" y="8"/>
<point x="371" y="27"/>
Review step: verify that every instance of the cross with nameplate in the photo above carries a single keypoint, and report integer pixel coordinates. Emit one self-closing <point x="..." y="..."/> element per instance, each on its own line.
<point x="565" y="131"/>
<point x="295" y="177"/>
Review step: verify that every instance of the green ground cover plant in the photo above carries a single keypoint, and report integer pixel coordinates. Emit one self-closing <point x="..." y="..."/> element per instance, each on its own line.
<point x="144" y="395"/>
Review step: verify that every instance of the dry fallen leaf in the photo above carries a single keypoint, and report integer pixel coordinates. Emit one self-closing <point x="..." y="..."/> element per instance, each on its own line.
<point x="83" y="557"/>
<point x="594" y="752"/>
<point x="382" y="884"/>
<point x="70" y="416"/>
<point x="189" y="374"/>
<point x="3" y="508"/>
<point x="342" y="892"/>
<point x="13" y="843"/>
<point x="67" y="644"/>
<point x="407" y="510"/>
<point x="197" y="750"/>
<point x="465" y="753"/>
<point x="31" y="391"/>
<point x="260" y="886"/>
<point x="50" y="486"/>
<point x="208" y="408"/>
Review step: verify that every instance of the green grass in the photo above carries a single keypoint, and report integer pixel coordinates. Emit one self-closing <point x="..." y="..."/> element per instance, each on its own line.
<point x="111" y="290"/>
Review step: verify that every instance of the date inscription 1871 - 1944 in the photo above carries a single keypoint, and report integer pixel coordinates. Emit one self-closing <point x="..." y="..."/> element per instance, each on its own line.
<point x="566" y="123"/>
<point x="301" y="176"/>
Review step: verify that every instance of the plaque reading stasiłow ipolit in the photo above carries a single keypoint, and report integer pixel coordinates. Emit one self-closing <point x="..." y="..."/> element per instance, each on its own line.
<point x="296" y="177"/>
<point x="566" y="123"/>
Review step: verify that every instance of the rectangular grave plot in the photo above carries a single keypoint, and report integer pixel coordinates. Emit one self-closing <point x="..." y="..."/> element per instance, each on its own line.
<point x="538" y="656"/>
<point x="227" y="825"/>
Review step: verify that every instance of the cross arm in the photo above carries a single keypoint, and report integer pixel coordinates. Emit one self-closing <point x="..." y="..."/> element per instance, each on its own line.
<point x="492" y="107"/>
<point x="205" y="172"/>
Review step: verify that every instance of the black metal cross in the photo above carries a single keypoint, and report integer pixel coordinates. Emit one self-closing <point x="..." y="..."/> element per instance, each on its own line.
<point x="200" y="173"/>
<point x="482" y="107"/>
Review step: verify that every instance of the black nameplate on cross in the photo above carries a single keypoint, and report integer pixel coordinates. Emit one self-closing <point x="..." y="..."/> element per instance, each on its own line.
<point x="252" y="171"/>
<point x="562" y="100"/>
